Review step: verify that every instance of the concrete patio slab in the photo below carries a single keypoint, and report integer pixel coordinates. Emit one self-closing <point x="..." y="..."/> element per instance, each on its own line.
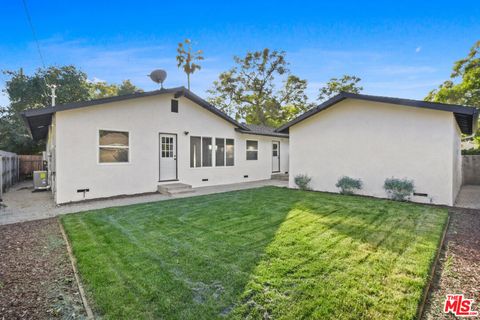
<point x="469" y="197"/>
<point x="21" y="204"/>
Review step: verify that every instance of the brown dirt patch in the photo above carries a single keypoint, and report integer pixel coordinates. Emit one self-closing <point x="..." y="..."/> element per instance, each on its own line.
<point x="36" y="277"/>
<point x="458" y="270"/>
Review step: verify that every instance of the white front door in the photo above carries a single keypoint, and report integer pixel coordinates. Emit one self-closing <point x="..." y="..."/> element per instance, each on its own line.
<point x="275" y="156"/>
<point x="168" y="157"/>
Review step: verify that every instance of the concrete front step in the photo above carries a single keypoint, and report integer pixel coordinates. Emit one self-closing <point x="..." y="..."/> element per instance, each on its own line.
<point x="280" y="176"/>
<point x="174" y="188"/>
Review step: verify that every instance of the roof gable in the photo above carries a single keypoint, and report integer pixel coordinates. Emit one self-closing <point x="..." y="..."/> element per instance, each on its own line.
<point x="38" y="120"/>
<point x="466" y="117"/>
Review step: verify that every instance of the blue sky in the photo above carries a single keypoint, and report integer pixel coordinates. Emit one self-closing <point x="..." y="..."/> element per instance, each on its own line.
<point x="400" y="48"/>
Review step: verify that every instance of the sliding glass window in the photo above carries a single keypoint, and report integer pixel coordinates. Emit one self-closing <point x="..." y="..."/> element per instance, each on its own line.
<point x="219" y="152"/>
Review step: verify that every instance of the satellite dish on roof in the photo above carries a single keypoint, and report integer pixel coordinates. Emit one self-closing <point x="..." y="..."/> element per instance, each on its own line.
<point x="158" y="76"/>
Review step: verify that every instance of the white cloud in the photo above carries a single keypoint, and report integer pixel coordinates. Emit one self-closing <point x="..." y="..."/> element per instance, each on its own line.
<point x="418" y="49"/>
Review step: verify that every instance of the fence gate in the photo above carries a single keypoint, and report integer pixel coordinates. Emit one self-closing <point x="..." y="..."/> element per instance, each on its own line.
<point x="9" y="173"/>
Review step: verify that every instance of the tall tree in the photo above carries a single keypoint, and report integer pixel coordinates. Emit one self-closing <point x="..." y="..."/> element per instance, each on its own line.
<point x="250" y="91"/>
<point x="30" y="92"/>
<point x="188" y="59"/>
<point x="336" y="85"/>
<point x="463" y="87"/>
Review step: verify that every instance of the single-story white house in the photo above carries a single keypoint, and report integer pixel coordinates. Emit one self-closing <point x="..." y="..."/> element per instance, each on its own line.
<point x="373" y="138"/>
<point x="134" y="143"/>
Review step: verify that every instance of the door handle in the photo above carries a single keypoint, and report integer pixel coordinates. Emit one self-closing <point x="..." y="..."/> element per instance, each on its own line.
<point x="174" y="157"/>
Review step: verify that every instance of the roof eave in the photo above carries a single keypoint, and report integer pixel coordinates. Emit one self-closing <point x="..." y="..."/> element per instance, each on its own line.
<point x="273" y="134"/>
<point x="178" y="92"/>
<point x="455" y="109"/>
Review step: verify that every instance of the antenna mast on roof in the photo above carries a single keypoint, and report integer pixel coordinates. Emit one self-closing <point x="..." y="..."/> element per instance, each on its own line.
<point x="53" y="87"/>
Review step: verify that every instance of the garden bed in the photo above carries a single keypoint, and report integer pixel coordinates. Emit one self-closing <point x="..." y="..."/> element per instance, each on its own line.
<point x="458" y="271"/>
<point x="36" y="277"/>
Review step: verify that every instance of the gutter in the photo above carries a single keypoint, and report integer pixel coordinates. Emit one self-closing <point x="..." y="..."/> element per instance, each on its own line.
<point x="273" y="134"/>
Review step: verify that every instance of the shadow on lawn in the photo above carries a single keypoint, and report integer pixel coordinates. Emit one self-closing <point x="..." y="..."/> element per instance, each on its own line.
<point x="345" y="253"/>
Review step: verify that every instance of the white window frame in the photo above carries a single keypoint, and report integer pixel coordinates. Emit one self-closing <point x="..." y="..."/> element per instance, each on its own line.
<point x="246" y="150"/>
<point x="201" y="151"/>
<point x="214" y="152"/>
<point x="110" y="146"/>
<point x="224" y="153"/>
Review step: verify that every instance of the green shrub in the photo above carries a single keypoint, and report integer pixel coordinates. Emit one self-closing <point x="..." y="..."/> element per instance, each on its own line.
<point x="471" y="152"/>
<point x="399" y="189"/>
<point x="303" y="181"/>
<point x="349" y="185"/>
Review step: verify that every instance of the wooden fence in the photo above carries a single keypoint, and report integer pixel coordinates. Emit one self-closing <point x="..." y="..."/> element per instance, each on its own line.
<point x="9" y="173"/>
<point x="28" y="164"/>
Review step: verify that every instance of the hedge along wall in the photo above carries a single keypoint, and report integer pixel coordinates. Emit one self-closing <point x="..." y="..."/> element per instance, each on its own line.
<point x="471" y="169"/>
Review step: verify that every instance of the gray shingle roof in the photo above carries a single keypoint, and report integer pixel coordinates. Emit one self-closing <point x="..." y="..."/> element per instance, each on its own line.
<point x="262" y="131"/>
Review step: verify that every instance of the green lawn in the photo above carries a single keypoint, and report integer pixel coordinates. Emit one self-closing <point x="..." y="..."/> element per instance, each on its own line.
<point x="267" y="253"/>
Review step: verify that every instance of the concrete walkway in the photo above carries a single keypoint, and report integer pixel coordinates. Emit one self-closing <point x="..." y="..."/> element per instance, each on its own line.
<point x="24" y="205"/>
<point x="469" y="197"/>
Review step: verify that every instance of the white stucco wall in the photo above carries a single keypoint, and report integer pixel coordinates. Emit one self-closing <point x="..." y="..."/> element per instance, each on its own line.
<point x="374" y="141"/>
<point x="457" y="160"/>
<point x="77" y="148"/>
<point x="50" y="150"/>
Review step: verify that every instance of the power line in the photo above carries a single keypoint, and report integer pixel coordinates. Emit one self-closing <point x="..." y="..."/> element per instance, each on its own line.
<point x="32" y="28"/>
<point x="42" y="60"/>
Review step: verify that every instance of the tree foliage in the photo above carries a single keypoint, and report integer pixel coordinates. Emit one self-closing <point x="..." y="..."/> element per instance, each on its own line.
<point x="260" y="89"/>
<point x="102" y="89"/>
<point x="188" y="59"/>
<point x="30" y="92"/>
<point x="336" y="85"/>
<point x="463" y="87"/>
<point x="127" y="87"/>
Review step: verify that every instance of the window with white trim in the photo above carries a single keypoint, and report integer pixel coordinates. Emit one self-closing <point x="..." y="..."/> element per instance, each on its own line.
<point x="224" y="152"/>
<point x="252" y="150"/>
<point x="195" y="152"/>
<point x="229" y="152"/>
<point x="113" y="146"/>
<point x="207" y="152"/>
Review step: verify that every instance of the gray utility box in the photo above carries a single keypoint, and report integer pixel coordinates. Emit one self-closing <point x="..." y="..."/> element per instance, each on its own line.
<point x="40" y="181"/>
